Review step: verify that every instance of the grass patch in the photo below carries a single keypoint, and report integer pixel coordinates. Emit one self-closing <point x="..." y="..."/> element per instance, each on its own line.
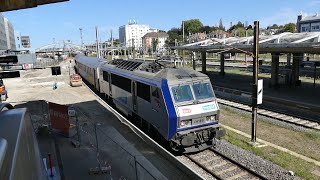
<point x="313" y="135"/>
<point x="299" y="167"/>
<point x="305" y="142"/>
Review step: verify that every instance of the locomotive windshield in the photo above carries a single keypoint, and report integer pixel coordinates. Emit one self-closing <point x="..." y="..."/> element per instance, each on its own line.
<point x="182" y="93"/>
<point x="202" y="91"/>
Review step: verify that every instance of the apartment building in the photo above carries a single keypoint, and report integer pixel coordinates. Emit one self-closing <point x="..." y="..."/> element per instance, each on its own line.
<point x="308" y="23"/>
<point x="131" y="34"/>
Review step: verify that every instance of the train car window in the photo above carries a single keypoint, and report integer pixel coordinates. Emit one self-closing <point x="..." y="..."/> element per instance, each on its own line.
<point x="105" y="76"/>
<point x="155" y="92"/>
<point x="143" y="91"/>
<point x="121" y="82"/>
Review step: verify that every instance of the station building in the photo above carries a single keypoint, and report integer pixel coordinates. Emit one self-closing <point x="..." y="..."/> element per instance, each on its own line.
<point x="308" y="23"/>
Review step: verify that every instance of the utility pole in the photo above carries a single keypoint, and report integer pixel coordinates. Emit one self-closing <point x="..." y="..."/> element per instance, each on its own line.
<point x="157" y="48"/>
<point x="97" y="41"/>
<point x="112" y="48"/>
<point x="255" y="81"/>
<point x="81" y="38"/>
<point x="182" y="37"/>
<point x="182" y="32"/>
<point x="125" y="48"/>
<point x="133" y="49"/>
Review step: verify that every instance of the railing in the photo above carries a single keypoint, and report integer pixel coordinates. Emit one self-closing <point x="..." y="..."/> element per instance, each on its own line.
<point x="136" y="164"/>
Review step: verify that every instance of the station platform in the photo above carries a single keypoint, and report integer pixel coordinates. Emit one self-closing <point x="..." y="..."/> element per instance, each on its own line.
<point x="119" y="147"/>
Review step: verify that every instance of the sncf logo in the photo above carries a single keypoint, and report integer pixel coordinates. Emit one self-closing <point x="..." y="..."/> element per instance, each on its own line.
<point x="186" y="110"/>
<point x="208" y="107"/>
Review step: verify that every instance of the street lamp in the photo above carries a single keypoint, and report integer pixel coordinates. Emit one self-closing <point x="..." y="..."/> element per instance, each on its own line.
<point x="80" y="29"/>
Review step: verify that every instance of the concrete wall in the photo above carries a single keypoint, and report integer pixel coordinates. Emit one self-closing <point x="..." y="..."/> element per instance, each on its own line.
<point x="27" y="58"/>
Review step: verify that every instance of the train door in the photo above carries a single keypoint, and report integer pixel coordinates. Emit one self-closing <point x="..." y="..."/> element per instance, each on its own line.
<point x="94" y="78"/>
<point x="134" y="96"/>
<point x="97" y="80"/>
<point x="110" y="85"/>
<point x="157" y="107"/>
<point x="156" y="104"/>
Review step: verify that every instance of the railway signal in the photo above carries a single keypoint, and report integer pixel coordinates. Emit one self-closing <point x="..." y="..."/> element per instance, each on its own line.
<point x="255" y="81"/>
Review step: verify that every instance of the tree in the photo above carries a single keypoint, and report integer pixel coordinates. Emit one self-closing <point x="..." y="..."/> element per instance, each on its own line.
<point x="207" y="29"/>
<point x="241" y="32"/>
<point x="274" y="26"/>
<point x="192" y="26"/>
<point x="221" y="25"/>
<point x="116" y="42"/>
<point x="290" y="27"/>
<point x="155" y="42"/>
<point x="174" y="34"/>
<point x="238" y="25"/>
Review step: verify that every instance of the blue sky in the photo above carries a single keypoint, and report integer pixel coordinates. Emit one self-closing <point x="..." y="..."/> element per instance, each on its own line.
<point x="63" y="20"/>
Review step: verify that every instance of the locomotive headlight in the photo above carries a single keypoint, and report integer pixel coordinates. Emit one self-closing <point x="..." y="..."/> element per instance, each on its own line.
<point x="185" y="123"/>
<point x="210" y="118"/>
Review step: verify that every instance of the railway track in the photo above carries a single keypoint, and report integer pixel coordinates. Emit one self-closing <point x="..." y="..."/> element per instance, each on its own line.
<point x="222" y="167"/>
<point x="278" y="116"/>
<point x="285" y="117"/>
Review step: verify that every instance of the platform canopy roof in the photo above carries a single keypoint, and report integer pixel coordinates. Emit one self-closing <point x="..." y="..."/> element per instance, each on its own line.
<point x="9" y="5"/>
<point x="59" y="47"/>
<point x="282" y="43"/>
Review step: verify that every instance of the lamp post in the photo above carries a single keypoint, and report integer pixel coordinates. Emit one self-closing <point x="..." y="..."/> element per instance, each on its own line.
<point x="80" y="29"/>
<point x="98" y="43"/>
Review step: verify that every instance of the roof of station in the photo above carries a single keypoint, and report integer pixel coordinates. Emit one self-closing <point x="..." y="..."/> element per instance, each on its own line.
<point x="59" y="47"/>
<point x="282" y="43"/>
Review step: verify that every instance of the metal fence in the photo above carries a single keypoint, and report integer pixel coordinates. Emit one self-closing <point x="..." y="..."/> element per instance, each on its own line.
<point x="105" y="140"/>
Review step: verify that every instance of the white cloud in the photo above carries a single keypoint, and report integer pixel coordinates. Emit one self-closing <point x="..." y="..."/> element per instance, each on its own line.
<point x="283" y="16"/>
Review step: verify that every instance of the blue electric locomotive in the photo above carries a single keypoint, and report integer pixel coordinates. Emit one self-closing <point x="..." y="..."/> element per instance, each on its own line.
<point x="176" y="104"/>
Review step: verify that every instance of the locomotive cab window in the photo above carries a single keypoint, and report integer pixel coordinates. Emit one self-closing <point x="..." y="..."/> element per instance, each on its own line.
<point x="182" y="93"/>
<point x="202" y="91"/>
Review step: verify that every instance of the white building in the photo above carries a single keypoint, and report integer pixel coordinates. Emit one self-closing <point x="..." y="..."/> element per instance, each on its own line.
<point x="3" y="37"/>
<point x="7" y="38"/>
<point x="131" y="34"/>
<point x="308" y="23"/>
<point x="11" y="43"/>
